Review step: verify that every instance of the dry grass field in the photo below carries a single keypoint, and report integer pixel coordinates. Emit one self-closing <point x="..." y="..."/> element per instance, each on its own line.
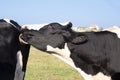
<point x="42" y="66"/>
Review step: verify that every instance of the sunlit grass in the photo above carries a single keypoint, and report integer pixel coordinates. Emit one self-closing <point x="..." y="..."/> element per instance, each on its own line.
<point x="43" y="66"/>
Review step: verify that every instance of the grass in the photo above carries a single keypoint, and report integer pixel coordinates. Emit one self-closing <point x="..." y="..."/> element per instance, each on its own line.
<point x="43" y="66"/>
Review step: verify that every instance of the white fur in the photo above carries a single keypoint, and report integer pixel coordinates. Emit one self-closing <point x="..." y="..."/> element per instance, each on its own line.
<point x="64" y="55"/>
<point x="19" y="74"/>
<point x="101" y="76"/>
<point x="65" y="50"/>
<point x="114" y="29"/>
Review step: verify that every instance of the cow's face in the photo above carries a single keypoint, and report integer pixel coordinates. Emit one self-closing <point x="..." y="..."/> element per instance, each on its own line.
<point x="53" y="34"/>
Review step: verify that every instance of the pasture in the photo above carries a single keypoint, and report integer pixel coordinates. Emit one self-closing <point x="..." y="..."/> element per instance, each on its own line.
<point x="42" y="66"/>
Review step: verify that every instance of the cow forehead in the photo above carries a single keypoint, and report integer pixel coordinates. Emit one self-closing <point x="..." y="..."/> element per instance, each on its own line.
<point x="39" y="26"/>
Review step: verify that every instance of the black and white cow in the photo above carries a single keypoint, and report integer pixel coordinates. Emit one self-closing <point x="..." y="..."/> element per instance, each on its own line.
<point x="13" y="54"/>
<point x="91" y="53"/>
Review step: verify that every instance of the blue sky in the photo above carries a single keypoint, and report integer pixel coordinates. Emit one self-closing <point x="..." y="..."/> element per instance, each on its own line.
<point x="104" y="13"/>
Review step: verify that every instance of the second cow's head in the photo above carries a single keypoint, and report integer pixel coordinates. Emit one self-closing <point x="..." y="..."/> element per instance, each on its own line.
<point x="53" y="34"/>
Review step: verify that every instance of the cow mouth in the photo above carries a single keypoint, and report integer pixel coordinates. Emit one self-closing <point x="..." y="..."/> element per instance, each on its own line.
<point x="21" y="39"/>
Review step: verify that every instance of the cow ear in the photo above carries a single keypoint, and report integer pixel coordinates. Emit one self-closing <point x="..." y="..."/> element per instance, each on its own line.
<point x="79" y="39"/>
<point x="68" y="25"/>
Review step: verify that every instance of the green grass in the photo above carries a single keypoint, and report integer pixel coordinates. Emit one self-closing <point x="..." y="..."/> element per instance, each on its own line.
<point x="43" y="66"/>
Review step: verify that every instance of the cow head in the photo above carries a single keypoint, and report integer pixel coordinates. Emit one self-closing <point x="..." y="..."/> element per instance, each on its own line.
<point x="53" y="34"/>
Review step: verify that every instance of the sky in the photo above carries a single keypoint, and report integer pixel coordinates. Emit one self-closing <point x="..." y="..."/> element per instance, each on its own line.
<point x="104" y="13"/>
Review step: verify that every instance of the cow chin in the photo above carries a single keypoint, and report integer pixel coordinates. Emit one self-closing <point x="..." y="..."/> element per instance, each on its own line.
<point x="21" y="40"/>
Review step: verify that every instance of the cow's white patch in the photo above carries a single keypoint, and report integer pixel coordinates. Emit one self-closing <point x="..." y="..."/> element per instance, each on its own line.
<point x="117" y="32"/>
<point x="66" y="51"/>
<point x="64" y="55"/>
<point x="19" y="74"/>
<point x="8" y="21"/>
<point x="114" y="29"/>
<point x="101" y="76"/>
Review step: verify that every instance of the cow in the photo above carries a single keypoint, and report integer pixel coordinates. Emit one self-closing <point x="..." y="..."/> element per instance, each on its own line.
<point x="13" y="53"/>
<point x="90" y="53"/>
